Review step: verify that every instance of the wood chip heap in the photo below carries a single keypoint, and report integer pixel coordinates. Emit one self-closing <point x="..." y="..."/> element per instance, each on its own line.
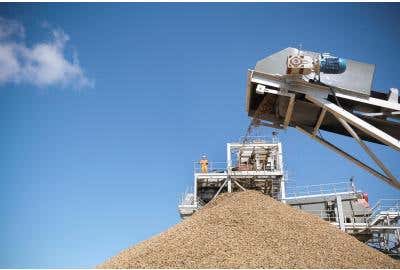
<point x="250" y="230"/>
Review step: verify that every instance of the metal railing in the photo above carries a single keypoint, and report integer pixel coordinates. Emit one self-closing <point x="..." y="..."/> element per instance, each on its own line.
<point x="331" y="216"/>
<point x="259" y="139"/>
<point x="322" y="189"/>
<point x="186" y="197"/>
<point x="385" y="206"/>
<point x="213" y="167"/>
<point x="221" y="167"/>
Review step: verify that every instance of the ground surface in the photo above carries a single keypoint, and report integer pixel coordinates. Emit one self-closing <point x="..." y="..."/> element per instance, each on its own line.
<point x="250" y="230"/>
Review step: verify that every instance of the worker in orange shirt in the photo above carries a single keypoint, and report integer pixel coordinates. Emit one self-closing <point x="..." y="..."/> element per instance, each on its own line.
<point x="204" y="164"/>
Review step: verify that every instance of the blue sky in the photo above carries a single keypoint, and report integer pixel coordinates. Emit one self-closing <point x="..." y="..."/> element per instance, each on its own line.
<point x="97" y="141"/>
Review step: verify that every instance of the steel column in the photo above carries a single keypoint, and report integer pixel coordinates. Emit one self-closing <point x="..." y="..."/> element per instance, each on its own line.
<point x="339" y="208"/>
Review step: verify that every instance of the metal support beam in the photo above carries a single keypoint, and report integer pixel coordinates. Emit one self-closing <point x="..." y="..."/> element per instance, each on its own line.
<point x="236" y="182"/>
<point x="280" y="166"/>
<point x="283" y="190"/>
<point x="371" y="101"/>
<point x="220" y="189"/>
<point x="195" y="191"/>
<point x="339" y="208"/>
<point x="369" y="152"/>
<point x="228" y="156"/>
<point x="289" y="111"/>
<point x="319" y="121"/>
<point x="356" y="121"/>
<point x="349" y="157"/>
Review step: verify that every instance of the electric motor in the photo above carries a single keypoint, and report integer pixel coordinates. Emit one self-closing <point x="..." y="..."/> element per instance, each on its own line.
<point x="332" y="65"/>
<point x="300" y="64"/>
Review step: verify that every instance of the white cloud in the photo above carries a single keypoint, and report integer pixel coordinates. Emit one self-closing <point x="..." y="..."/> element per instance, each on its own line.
<point x="11" y="28"/>
<point x="43" y="64"/>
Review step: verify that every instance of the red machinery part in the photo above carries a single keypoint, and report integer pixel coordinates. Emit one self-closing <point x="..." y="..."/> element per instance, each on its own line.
<point x="365" y="196"/>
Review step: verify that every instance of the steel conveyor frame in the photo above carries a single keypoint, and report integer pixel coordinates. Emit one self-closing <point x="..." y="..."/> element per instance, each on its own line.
<point x="318" y="96"/>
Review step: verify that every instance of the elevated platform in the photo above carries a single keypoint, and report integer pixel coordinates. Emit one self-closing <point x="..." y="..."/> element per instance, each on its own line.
<point x="254" y="164"/>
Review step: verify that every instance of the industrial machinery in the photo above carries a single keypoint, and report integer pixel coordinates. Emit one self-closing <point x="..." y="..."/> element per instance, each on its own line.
<point x="257" y="164"/>
<point x="302" y="64"/>
<point x="314" y="92"/>
<point x="347" y="208"/>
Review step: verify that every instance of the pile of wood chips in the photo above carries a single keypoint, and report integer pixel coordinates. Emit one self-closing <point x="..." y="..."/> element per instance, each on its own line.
<point x="250" y="230"/>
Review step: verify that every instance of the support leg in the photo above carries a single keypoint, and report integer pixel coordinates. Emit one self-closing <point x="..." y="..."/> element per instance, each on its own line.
<point x="220" y="189"/>
<point x="366" y="148"/>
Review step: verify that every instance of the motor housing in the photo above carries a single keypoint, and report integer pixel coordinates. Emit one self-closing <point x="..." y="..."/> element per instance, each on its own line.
<point x="332" y="65"/>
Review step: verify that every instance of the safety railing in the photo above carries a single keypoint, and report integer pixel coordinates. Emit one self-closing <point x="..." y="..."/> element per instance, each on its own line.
<point x="221" y="167"/>
<point x="185" y="197"/>
<point x="212" y="167"/>
<point x="259" y="139"/>
<point x="322" y="189"/>
<point x="330" y="215"/>
<point x="188" y="201"/>
<point x="385" y="207"/>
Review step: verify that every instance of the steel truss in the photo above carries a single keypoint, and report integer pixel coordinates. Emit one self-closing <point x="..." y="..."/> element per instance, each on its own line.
<point x="318" y="96"/>
<point x="348" y="120"/>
